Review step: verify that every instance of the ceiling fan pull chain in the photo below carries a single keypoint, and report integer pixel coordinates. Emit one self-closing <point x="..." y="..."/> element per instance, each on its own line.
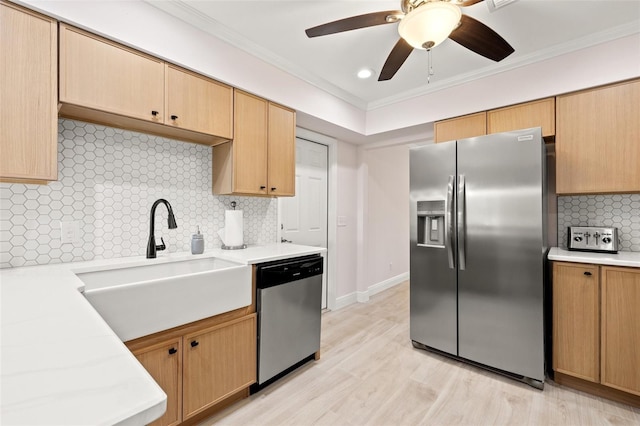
<point x="430" y="65"/>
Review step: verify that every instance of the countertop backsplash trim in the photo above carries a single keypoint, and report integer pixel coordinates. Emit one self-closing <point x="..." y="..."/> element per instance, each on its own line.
<point x="618" y="210"/>
<point x="108" y="180"/>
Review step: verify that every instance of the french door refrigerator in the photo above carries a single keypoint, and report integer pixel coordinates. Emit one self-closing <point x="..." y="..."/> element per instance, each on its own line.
<point x="477" y="251"/>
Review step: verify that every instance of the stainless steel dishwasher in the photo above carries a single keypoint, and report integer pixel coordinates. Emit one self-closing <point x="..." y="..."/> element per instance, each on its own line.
<point x="289" y="305"/>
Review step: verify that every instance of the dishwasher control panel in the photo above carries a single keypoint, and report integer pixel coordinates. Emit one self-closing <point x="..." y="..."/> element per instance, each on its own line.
<point x="592" y="238"/>
<point x="283" y="271"/>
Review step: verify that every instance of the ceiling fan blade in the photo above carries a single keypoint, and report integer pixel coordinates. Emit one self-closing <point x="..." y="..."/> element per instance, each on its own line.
<point x="396" y="58"/>
<point x="465" y="3"/>
<point x="355" y="22"/>
<point x="477" y="37"/>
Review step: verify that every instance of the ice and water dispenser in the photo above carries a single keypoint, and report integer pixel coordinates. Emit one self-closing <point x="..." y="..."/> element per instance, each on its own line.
<point x="431" y="223"/>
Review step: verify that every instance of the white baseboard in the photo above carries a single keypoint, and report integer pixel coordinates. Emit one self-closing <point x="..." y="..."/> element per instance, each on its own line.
<point x="388" y="283"/>
<point x="343" y="301"/>
<point x="363" y="296"/>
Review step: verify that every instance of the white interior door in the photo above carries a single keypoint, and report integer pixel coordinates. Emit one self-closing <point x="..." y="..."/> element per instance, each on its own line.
<point x="304" y="217"/>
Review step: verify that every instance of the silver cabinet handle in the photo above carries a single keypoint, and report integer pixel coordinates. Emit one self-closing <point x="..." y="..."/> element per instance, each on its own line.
<point x="448" y="226"/>
<point x="462" y="231"/>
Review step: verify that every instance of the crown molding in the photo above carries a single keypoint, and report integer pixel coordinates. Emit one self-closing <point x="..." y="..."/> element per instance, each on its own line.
<point x="209" y="25"/>
<point x="538" y="56"/>
<point x="205" y="23"/>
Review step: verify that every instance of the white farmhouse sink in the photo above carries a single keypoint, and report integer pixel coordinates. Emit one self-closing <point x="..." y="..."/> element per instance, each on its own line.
<point x="137" y="301"/>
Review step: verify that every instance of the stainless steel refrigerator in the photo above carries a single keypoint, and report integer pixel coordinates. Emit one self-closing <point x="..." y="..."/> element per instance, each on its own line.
<point x="477" y="251"/>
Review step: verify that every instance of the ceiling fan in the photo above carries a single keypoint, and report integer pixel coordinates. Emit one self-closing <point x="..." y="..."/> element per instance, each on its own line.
<point x="423" y="25"/>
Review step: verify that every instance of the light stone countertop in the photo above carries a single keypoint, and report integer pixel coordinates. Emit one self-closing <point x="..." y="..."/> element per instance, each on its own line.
<point x="622" y="258"/>
<point x="61" y="364"/>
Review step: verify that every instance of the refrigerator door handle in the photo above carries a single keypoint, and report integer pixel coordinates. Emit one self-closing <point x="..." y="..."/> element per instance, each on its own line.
<point x="462" y="231"/>
<point x="448" y="229"/>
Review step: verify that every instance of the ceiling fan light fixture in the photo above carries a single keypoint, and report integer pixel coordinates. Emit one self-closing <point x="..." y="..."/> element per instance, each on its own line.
<point x="430" y="24"/>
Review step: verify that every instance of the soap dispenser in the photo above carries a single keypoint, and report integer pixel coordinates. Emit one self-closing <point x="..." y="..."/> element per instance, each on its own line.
<point x="197" y="243"/>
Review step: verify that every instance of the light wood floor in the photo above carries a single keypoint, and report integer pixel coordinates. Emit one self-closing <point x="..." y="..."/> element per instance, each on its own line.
<point x="369" y="373"/>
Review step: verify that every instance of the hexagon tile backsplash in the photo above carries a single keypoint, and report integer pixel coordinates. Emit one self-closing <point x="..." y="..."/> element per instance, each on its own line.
<point x="619" y="210"/>
<point x="108" y="179"/>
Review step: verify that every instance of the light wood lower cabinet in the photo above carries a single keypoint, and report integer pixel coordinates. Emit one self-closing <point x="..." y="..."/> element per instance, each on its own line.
<point x="467" y="126"/>
<point x="163" y="361"/>
<point x="217" y="363"/>
<point x="28" y="96"/>
<point x="202" y="366"/>
<point x="576" y="320"/>
<point x="596" y="329"/>
<point x="621" y="328"/>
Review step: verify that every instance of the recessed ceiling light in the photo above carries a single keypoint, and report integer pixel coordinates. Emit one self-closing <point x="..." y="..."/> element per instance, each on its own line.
<point x="365" y="73"/>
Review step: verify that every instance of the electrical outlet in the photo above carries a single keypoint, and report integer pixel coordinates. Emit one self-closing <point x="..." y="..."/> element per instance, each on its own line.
<point x="70" y="232"/>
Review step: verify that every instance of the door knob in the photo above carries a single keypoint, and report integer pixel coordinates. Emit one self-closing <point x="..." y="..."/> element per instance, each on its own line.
<point x="174" y="117"/>
<point x="194" y="343"/>
<point x="172" y="351"/>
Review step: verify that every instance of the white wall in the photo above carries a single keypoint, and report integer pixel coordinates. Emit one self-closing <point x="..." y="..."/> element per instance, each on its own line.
<point x="347" y="211"/>
<point x="386" y="227"/>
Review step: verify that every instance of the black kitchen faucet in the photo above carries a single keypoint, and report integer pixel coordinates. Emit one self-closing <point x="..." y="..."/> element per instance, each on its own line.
<point x="152" y="248"/>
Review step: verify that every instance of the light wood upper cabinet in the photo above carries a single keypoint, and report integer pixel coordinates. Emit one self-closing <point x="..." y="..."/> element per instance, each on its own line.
<point x="261" y="158"/>
<point x="463" y="127"/>
<point x="163" y="361"/>
<point x="281" y="151"/>
<point x="198" y="103"/>
<point x="218" y="362"/>
<point x="541" y="113"/>
<point x="102" y="75"/>
<point x="621" y="328"/>
<point x="250" y="144"/>
<point x="576" y="319"/>
<point x="598" y="140"/>
<point x="28" y="96"/>
<point x="104" y="82"/>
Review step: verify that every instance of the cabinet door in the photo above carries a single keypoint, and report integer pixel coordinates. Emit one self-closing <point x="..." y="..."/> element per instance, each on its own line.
<point x="218" y="362"/>
<point x="576" y="337"/>
<point x="281" y="151"/>
<point x="105" y="76"/>
<point x="250" y="144"/>
<point x="463" y="127"/>
<point x="598" y="140"/>
<point x="28" y="95"/>
<point x="198" y="103"/>
<point x="540" y="113"/>
<point x="163" y="361"/>
<point x="621" y="328"/>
